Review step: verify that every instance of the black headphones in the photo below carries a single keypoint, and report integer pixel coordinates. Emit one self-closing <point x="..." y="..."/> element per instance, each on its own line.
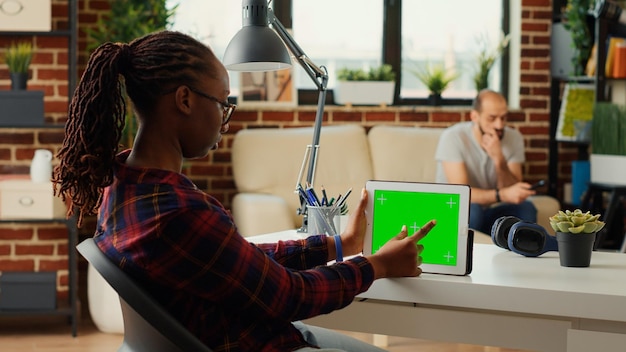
<point x="522" y="237"/>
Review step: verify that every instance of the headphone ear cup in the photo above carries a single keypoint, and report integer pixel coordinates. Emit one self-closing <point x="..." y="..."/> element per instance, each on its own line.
<point x="500" y="230"/>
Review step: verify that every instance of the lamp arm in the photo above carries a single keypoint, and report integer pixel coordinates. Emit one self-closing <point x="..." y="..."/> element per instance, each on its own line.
<point x="319" y="75"/>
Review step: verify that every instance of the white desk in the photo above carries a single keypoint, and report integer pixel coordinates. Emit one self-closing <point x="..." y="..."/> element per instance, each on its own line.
<point x="508" y="300"/>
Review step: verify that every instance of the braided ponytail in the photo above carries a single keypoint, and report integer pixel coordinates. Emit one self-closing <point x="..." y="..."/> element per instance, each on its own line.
<point x="150" y="65"/>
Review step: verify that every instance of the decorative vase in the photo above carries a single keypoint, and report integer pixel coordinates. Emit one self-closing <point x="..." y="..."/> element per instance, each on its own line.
<point x="434" y="99"/>
<point x="41" y="166"/>
<point x="19" y="80"/>
<point x="575" y="248"/>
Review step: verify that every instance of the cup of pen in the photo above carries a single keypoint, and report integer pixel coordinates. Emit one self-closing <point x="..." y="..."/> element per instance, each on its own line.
<point x="323" y="220"/>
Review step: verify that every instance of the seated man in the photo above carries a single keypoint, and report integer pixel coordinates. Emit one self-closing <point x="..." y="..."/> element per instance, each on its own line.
<point x="487" y="156"/>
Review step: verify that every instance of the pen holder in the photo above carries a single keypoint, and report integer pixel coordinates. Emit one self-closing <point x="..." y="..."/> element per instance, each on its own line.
<point x="323" y="220"/>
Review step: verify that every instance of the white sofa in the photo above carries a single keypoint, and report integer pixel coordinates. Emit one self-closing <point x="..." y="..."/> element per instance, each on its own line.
<point x="266" y="164"/>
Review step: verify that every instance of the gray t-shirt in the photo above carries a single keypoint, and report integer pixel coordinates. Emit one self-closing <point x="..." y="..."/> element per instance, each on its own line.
<point x="457" y="143"/>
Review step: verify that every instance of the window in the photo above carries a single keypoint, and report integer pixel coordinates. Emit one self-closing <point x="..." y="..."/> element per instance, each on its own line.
<point x="351" y="33"/>
<point x="448" y="33"/>
<point x="321" y="30"/>
<point x="364" y="33"/>
<point x="213" y="22"/>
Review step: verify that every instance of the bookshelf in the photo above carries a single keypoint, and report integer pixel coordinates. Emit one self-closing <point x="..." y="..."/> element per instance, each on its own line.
<point x="71" y="308"/>
<point x="603" y="30"/>
<point x="71" y="33"/>
<point x="608" y="89"/>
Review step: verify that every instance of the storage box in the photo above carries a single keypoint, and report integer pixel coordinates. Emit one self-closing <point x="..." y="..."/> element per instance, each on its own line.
<point x="25" y="15"/>
<point x="23" y="199"/>
<point x="28" y="290"/>
<point x="21" y="108"/>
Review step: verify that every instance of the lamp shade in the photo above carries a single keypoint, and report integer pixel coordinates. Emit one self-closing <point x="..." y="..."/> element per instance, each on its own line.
<point x="256" y="47"/>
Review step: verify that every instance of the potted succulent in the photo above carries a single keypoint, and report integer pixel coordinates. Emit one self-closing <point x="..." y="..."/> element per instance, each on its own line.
<point x="360" y="87"/>
<point x="18" y="58"/>
<point x="436" y="78"/>
<point x="575" y="235"/>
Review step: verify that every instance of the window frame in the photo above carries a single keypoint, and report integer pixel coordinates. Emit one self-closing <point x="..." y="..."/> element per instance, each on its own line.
<point x="392" y="52"/>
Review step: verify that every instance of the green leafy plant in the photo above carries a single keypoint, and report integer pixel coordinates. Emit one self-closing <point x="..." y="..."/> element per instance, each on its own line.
<point x="576" y="23"/>
<point x="128" y="20"/>
<point x="608" y="129"/>
<point x="486" y="58"/>
<point x="19" y="56"/>
<point x="576" y="222"/>
<point x="381" y="73"/>
<point x="435" y="77"/>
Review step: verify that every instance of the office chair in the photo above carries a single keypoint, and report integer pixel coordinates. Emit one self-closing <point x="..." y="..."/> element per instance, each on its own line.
<point x="147" y="325"/>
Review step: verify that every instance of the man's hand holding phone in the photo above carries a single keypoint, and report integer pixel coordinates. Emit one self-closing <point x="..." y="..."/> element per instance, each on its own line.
<point x="538" y="184"/>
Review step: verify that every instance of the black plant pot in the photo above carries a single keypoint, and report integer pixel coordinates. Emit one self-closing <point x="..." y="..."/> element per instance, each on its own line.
<point x="434" y="99"/>
<point x="575" y="248"/>
<point x="18" y="80"/>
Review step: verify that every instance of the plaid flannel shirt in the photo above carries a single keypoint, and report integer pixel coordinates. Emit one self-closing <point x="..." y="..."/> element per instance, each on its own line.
<point x="183" y="246"/>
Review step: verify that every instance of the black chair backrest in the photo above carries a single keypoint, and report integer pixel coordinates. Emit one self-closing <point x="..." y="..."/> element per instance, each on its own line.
<point x="147" y="325"/>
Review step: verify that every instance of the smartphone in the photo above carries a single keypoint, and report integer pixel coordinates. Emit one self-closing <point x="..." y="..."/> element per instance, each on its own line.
<point x="540" y="183"/>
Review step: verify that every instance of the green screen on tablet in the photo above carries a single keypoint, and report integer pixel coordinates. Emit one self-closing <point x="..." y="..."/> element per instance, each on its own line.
<point x="447" y="247"/>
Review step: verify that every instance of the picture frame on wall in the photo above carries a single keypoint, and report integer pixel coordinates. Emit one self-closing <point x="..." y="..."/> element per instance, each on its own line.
<point x="273" y="88"/>
<point x="576" y="113"/>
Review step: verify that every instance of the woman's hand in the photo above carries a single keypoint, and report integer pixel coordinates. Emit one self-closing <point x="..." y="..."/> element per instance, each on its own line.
<point x="354" y="235"/>
<point x="401" y="255"/>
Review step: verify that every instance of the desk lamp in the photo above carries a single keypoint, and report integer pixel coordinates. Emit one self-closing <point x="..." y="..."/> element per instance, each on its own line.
<point x="256" y="47"/>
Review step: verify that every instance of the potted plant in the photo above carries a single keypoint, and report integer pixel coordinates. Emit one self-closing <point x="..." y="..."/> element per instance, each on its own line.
<point x="577" y="15"/>
<point x="608" y="144"/>
<point x="575" y="235"/>
<point x="486" y="58"/>
<point x="360" y="87"/>
<point x="436" y="78"/>
<point x="18" y="58"/>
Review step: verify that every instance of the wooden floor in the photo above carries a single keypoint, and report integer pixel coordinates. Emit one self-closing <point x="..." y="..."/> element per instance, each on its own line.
<point x="53" y="334"/>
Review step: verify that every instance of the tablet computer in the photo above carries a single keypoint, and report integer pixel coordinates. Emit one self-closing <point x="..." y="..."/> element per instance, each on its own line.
<point x="448" y="246"/>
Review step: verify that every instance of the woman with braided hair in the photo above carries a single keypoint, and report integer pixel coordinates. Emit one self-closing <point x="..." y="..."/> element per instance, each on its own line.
<point x="179" y="242"/>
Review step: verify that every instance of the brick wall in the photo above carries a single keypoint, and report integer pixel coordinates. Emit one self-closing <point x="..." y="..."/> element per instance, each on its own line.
<point x="23" y="247"/>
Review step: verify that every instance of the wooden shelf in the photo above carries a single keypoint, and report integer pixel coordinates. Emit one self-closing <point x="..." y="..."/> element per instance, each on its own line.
<point x="70" y="308"/>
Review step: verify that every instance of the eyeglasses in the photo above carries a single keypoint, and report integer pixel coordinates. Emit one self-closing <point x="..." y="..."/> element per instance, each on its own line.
<point x="227" y="107"/>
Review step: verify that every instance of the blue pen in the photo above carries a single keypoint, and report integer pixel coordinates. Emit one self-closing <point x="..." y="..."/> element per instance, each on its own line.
<point x="311" y="192"/>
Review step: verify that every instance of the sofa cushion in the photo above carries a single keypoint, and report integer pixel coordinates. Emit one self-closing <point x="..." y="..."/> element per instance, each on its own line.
<point x="391" y="146"/>
<point x="266" y="163"/>
<point x="343" y="162"/>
